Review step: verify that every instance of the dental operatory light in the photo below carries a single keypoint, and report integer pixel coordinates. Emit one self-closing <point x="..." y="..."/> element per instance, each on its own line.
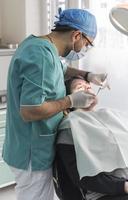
<point x="119" y="17"/>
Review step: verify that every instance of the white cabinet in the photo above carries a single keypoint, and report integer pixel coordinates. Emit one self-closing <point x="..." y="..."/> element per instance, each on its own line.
<point x="4" y="65"/>
<point x="5" y="59"/>
<point x="6" y="176"/>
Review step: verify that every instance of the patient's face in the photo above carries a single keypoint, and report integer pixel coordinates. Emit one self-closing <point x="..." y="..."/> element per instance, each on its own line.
<point x="79" y="84"/>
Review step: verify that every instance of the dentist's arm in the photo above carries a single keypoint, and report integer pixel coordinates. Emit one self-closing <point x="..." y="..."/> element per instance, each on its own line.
<point x="44" y="111"/>
<point x="49" y="108"/>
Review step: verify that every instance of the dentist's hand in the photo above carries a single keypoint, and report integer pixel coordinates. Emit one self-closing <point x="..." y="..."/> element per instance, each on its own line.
<point x="82" y="99"/>
<point x="92" y="106"/>
<point x="97" y="79"/>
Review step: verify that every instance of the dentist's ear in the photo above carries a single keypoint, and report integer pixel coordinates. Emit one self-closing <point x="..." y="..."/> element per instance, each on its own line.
<point x="77" y="35"/>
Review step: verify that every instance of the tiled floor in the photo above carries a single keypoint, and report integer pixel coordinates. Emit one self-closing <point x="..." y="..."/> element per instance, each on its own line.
<point x="8" y="193"/>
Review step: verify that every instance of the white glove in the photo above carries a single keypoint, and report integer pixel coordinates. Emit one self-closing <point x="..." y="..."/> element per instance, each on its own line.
<point x="81" y="99"/>
<point x="97" y="79"/>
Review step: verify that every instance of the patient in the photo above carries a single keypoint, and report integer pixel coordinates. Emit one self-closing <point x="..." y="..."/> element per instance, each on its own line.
<point x="92" y="163"/>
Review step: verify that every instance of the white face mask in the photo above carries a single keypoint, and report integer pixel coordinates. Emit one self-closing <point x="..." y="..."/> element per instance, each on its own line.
<point x="73" y="55"/>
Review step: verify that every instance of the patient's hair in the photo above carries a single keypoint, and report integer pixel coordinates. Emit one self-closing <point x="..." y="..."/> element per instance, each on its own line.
<point x="68" y="83"/>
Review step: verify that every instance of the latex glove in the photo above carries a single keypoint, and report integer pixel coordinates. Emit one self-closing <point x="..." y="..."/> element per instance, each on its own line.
<point x="92" y="106"/>
<point x="97" y="79"/>
<point x="81" y="99"/>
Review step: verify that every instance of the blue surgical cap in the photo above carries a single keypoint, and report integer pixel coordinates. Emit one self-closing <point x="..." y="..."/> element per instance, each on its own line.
<point x="80" y="19"/>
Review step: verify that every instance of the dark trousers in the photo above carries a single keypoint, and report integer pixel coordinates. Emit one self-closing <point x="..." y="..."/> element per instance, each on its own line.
<point x="122" y="197"/>
<point x="68" y="183"/>
<point x="71" y="185"/>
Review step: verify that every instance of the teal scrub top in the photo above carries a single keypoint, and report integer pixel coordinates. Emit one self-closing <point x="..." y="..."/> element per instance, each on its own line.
<point x="35" y="75"/>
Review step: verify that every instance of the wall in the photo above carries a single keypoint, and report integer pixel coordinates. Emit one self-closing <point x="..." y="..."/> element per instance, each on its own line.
<point x="108" y="55"/>
<point x="21" y="18"/>
<point x="33" y="20"/>
<point x="0" y="20"/>
<point x="73" y="4"/>
<point x="115" y="63"/>
<point x="13" y="21"/>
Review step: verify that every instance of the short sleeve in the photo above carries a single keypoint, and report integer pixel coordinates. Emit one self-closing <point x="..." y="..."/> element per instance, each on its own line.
<point x="31" y="93"/>
<point x="33" y="69"/>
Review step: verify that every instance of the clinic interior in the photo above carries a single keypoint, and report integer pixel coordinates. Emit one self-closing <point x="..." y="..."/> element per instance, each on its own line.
<point x="19" y="19"/>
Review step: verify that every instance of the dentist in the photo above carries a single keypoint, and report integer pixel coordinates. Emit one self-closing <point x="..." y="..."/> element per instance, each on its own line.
<point x="36" y="100"/>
